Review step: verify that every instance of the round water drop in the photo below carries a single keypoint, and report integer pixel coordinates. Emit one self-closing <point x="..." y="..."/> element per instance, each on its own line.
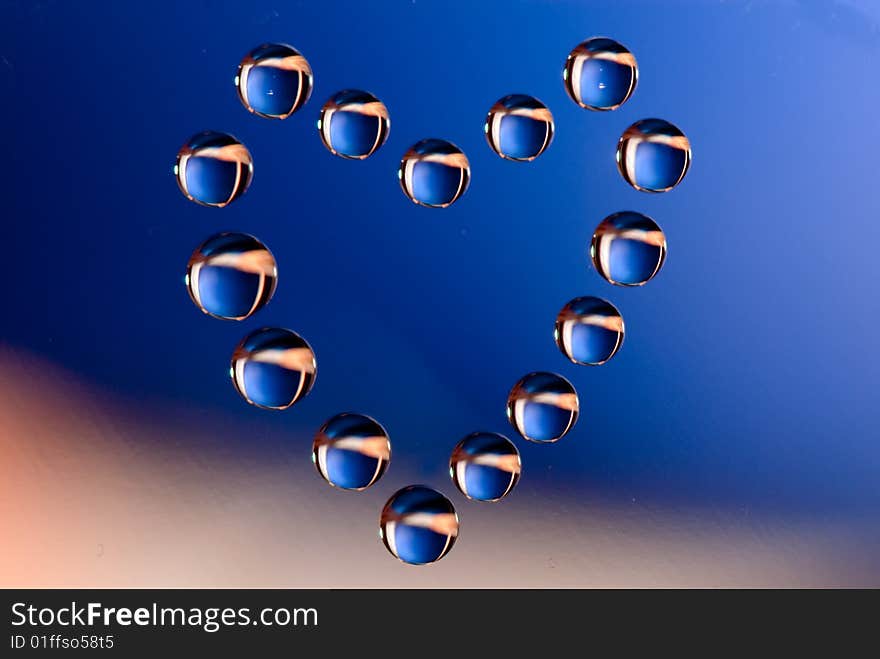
<point x="273" y="368"/>
<point x="589" y="331"/>
<point x="542" y="407"/>
<point x="519" y="127"/>
<point x="418" y="525"/>
<point x="274" y="81"/>
<point x="653" y="155"/>
<point x="353" y="124"/>
<point x="213" y="169"/>
<point x="628" y="248"/>
<point x="434" y="173"/>
<point x="485" y="466"/>
<point x="351" y="451"/>
<point x="600" y="74"/>
<point x="231" y="276"/>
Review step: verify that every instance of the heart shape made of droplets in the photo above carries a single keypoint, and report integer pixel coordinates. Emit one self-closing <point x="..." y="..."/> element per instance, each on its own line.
<point x="231" y="276"/>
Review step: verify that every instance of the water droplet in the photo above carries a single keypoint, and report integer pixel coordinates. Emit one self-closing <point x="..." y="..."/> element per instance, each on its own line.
<point x="351" y="451"/>
<point x="628" y="248"/>
<point x="231" y="276"/>
<point x="600" y="74"/>
<point x="653" y="155"/>
<point x="589" y="331"/>
<point x="273" y="368"/>
<point x="542" y="407"/>
<point x="519" y="127"/>
<point x="434" y="173"/>
<point x="485" y="466"/>
<point x="213" y="169"/>
<point x="418" y="525"/>
<point x="274" y="81"/>
<point x="354" y="124"/>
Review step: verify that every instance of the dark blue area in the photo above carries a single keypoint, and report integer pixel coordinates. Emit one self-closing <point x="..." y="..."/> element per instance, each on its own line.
<point x="734" y="390"/>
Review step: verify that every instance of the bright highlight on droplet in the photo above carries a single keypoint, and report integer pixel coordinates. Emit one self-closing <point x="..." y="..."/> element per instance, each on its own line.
<point x="354" y="124"/>
<point x="213" y="169"/>
<point x="273" y="368"/>
<point x="434" y="173"/>
<point x="653" y="155"/>
<point x="274" y="81"/>
<point x="485" y="466"/>
<point x="600" y="74"/>
<point x="589" y="331"/>
<point x="628" y="249"/>
<point x="351" y="451"/>
<point x="418" y="525"/>
<point x="231" y="276"/>
<point x="519" y="127"/>
<point x="543" y="407"/>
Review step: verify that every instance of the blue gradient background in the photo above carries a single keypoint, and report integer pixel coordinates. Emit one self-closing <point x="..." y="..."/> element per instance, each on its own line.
<point x="748" y="377"/>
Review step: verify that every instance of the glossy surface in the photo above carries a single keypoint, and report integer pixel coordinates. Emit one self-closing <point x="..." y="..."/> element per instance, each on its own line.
<point x="485" y="466"/>
<point x="353" y="124"/>
<point x="543" y="407"/>
<point x="231" y="276"/>
<point x="519" y="127"/>
<point x="434" y="173"/>
<point x="418" y="525"/>
<point x="273" y="368"/>
<point x="351" y="451"/>
<point x="589" y="331"/>
<point x="653" y="155"/>
<point x="213" y="169"/>
<point x="274" y="81"/>
<point x="600" y="74"/>
<point x="144" y="447"/>
<point x="628" y="249"/>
